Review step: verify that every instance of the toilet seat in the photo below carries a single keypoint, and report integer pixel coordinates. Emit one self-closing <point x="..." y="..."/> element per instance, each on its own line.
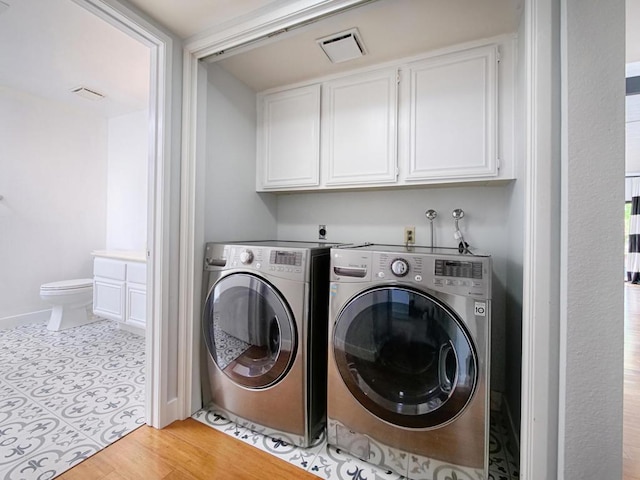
<point x="67" y="285"/>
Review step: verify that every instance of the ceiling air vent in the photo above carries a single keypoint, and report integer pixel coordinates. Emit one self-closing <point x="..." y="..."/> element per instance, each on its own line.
<point x="87" y="93"/>
<point x="343" y="46"/>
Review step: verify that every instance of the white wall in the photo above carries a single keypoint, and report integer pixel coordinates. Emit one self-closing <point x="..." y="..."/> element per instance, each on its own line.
<point x="233" y="210"/>
<point x="53" y="161"/>
<point x="591" y="310"/>
<point x="380" y="217"/>
<point x="127" y="180"/>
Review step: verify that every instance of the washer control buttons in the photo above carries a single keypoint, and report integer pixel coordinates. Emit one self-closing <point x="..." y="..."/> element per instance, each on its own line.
<point x="381" y="275"/>
<point x="418" y="278"/>
<point x="399" y="267"/>
<point x="246" y="257"/>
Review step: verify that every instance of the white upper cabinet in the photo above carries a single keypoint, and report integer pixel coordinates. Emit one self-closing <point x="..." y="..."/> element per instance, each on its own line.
<point x="442" y="117"/>
<point x="451" y="109"/>
<point x="288" y="139"/>
<point x="359" y="129"/>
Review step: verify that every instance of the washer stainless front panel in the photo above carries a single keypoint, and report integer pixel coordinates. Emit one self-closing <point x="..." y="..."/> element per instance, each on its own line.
<point x="264" y="325"/>
<point x="409" y="357"/>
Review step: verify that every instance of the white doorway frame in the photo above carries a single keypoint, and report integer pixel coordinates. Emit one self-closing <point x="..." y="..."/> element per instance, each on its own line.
<point x="159" y="412"/>
<point x="541" y="274"/>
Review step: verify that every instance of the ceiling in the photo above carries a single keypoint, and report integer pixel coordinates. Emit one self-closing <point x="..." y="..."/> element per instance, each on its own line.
<point x="187" y="18"/>
<point x="49" y="47"/>
<point x="389" y="29"/>
<point x="190" y="17"/>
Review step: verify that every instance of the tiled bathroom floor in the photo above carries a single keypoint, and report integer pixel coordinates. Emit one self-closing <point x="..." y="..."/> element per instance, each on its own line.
<point x="65" y="395"/>
<point x="330" y="463"/>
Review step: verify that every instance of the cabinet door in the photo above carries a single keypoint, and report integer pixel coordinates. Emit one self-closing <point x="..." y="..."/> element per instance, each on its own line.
<point x="288" y="139"/>
<point x="108" y="298"/>
<point x="136" y="304"/>
<point x="359" y="129"/>
<point x="452" y="110"/>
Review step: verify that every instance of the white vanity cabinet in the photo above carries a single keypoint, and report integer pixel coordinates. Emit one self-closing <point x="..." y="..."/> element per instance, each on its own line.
<point x="359" y="129"/>
<point x="451" y="110"/>
<point x="119" y="290"/>
<point x="288" y="143"/>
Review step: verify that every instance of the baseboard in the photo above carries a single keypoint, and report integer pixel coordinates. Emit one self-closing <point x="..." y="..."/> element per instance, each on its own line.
<point x="40" y="316"/>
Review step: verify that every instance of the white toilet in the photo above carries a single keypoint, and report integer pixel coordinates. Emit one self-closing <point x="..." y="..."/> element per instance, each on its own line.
<point x="70" y="300"/>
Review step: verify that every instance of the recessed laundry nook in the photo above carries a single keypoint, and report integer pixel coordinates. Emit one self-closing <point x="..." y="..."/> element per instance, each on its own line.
<point x="355" y="153"/>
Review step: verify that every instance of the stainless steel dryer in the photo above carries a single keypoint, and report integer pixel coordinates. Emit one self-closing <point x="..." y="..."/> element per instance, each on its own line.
<point x="265" y="329"/>
<point x="408" y="367"/>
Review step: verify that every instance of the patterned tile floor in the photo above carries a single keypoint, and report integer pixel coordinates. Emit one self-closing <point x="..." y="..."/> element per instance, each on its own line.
<point x="330" y="463"/>
<point x="65" y="395"/>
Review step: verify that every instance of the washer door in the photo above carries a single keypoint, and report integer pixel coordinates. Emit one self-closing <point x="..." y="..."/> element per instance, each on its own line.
<point x="405" y="356"/>
<point x="249" y="330"/>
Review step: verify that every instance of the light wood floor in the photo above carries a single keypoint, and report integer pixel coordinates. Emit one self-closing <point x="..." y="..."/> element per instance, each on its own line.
<point x="185" y="450"/>
<point x="631" y="435"/>
<point x="190" y="450"/>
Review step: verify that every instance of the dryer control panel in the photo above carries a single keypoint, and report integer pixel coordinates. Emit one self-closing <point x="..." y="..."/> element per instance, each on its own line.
<point x="282" y="263"/>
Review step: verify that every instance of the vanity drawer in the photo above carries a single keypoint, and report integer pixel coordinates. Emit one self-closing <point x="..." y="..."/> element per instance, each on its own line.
<point x="137" y="272"/>
<point x="103" y="267"/>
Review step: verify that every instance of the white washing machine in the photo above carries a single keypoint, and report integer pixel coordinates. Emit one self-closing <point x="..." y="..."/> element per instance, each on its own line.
<point x="265" y="329"/>
<point x="408" y="366"/>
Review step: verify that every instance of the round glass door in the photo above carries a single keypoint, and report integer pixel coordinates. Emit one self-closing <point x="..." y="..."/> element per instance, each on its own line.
<point x="249" y="330"/>
<point x="405" y="356"/>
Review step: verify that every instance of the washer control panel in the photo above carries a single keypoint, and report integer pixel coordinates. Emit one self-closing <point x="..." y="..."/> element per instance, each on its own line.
<point x="391" y="266"/>
<point x="456" y="275"/>
<point x="458" y="268"/>
<point x="399" y="267"/>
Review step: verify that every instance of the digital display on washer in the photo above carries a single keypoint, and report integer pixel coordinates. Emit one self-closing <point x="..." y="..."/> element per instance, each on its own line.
<point x="280" y="257"/>
<point x="458" y="269"/>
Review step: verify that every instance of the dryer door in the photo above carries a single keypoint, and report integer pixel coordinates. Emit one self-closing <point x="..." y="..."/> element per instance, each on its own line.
<point x="405" y="356"/>
<point x="249" y="330"/>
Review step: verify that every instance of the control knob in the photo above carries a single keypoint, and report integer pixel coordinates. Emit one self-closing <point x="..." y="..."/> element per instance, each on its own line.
<point x="399" y="267"/>
<point x="246" y="257"/>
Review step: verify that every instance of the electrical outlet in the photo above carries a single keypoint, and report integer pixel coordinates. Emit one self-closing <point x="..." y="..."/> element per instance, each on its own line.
<point x="322" y="232"/>
<point x="409" y="235"/>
